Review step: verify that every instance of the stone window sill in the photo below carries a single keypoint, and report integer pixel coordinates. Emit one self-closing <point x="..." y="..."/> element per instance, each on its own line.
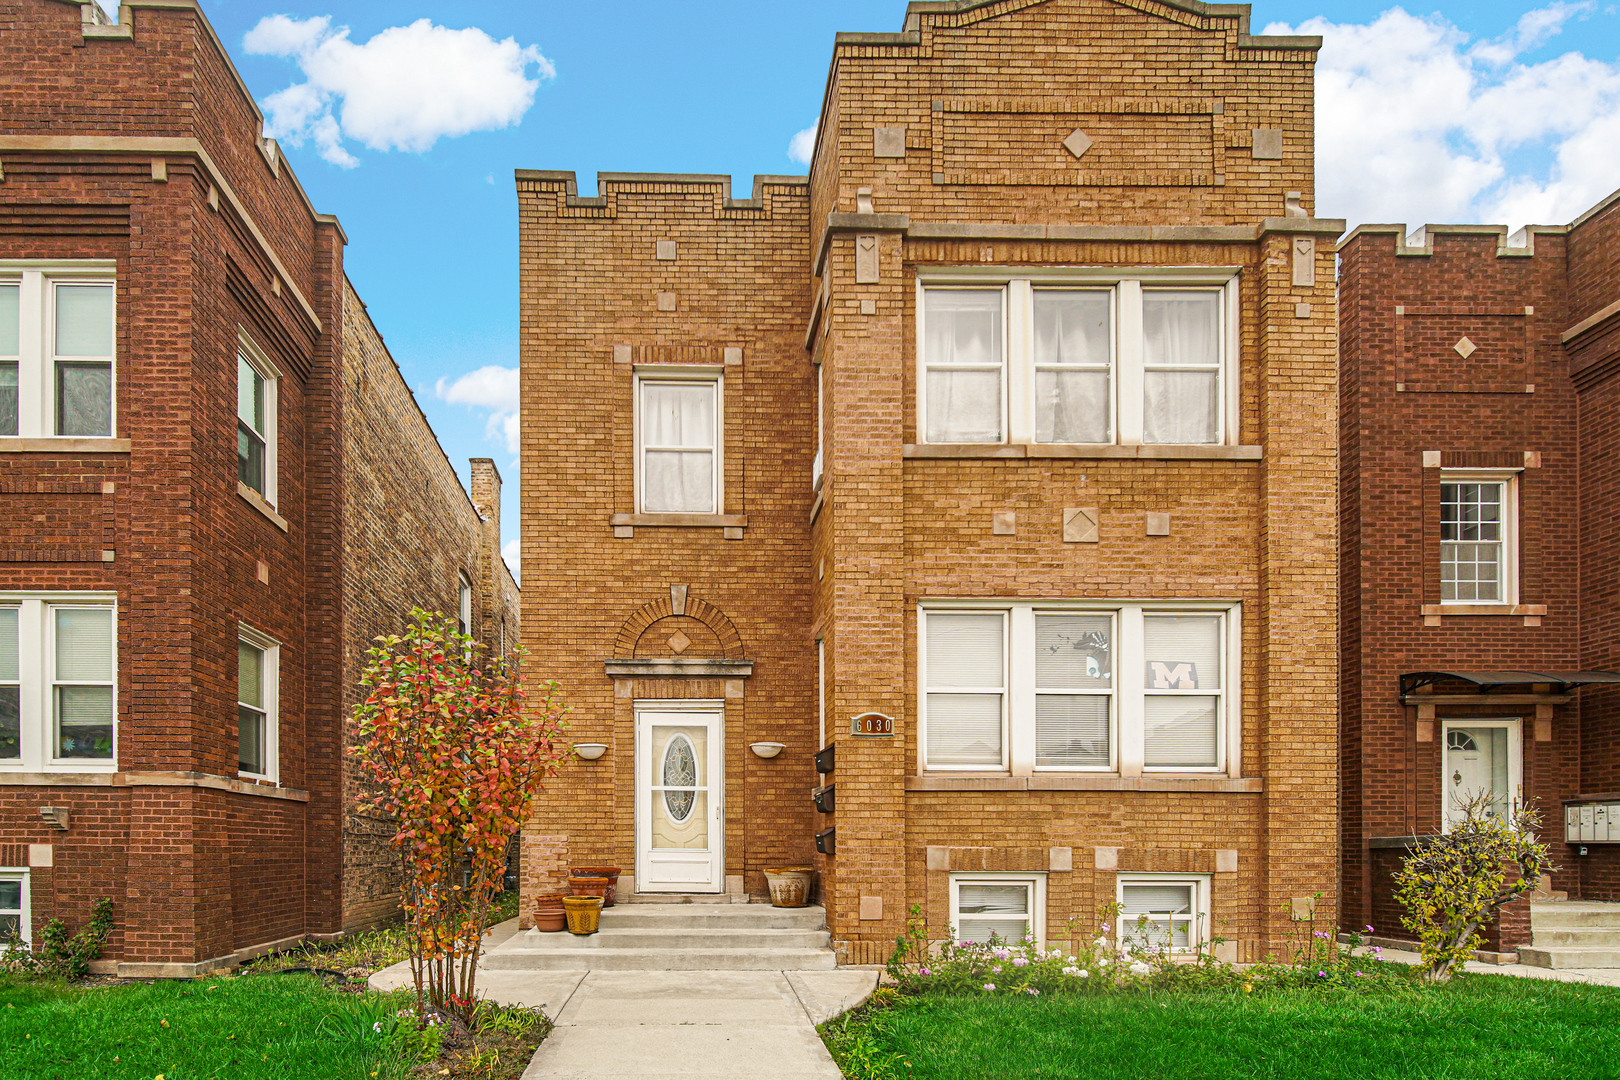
<point x="12" y="444"/>
<point x="1485" y="609"/>
<point x="255" y="500"/>
<point x="625" y="525"/>
<point x="1089" y="782"/>
<point x="1167" y="452"/>
<point x="112" y="778"/>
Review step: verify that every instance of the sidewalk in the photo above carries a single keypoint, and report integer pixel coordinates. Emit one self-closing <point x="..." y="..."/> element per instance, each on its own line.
<point x="1599" y="976"/>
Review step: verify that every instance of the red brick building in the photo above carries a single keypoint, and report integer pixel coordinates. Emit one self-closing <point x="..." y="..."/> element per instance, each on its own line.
<point x="996" y="461"/>
<point x="1480" y="455"/>
<point x="214" y="487"/>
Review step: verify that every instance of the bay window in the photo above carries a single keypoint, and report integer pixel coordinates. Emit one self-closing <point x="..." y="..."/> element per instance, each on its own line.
<point x="1077" y="686"/>
<point x="1078" y="356"/>
<point x="57" y="342"/>
<point x="58" y="682"/>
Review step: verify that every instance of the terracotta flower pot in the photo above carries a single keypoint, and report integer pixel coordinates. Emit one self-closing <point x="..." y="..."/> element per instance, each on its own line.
<point x="548" y="913"/>
<point x="590" y="886"/>
<point x="609" y="872"/>
<point x="791" y="886"/>
<point x="584" y="914"/>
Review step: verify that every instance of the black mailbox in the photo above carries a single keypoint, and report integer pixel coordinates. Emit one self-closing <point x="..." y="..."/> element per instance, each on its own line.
<point x="824" y="759"/>
<point x="824" y="798"/>
<point x="824" y="841"/>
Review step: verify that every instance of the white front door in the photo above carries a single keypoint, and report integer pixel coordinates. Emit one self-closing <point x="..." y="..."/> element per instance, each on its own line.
<point x="679" y="813"/>
<point x="1481" y="758"/>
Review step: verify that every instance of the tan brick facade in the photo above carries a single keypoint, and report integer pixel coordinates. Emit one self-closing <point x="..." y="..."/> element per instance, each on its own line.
<point x="819" y="282"/>
<point x="160" y="173"/>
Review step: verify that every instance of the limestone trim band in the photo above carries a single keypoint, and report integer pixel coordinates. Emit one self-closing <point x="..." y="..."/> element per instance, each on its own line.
<point x="153" y="779"/>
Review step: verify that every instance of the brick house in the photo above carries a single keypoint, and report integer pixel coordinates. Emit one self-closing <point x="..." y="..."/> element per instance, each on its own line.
<point x="216" y="487"/>
<point x="995" y="460"/>
<point x="1479" y="579"/>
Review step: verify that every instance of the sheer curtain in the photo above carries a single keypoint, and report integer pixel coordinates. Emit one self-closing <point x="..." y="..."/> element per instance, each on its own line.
<point x="963" y="354"/>
<point x="1073" y="366"/>
<point x="678" y="441"/>
<point x="1181" y="332"/>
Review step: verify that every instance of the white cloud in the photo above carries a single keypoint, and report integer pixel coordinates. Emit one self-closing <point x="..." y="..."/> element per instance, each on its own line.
<point x="802" y="147"/>
<point x="404" y="89"/>
<point x="512" y="552"/>
<point x="1414" y="124"/>
<point x="493" y="389"/>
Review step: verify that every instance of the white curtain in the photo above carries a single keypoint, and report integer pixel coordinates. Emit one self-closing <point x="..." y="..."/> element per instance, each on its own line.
<point x="678" y="441"/>
<point x="1073" y="366"/>
<point x="1182" y="353"/>
<point x="963" y="352"/>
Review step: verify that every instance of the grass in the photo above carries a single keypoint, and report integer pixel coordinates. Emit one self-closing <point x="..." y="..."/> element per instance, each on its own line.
<point x="1477" y="1027"/>
<point x="244" y="1028"/>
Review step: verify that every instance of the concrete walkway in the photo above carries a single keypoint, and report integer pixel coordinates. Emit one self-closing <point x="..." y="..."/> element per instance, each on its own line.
<point x="1600" y="976"/>
<point x="651" y="1025"/>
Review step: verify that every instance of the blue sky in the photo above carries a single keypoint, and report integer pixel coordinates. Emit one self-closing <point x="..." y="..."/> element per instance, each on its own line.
<point x="1492" y="111"/>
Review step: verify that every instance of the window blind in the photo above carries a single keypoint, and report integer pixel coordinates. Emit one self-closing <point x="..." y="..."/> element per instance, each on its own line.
<point x="10" y="320"/>
<point x="1183" y="652"/>
<point x="1180" y="732"/>
<point x="1074" y="652"/>
<point x="84" y="320"/>
<point x="983" y="910"/>
<point x="1071" y="729"/>
<point x="249" y="675"/>
<point x="8" y="645"/>
<point x="965" y="650"/>
<point x="1156" y="899"/>
<point x="83" y="645"/>
<point x="249" y="395"/>
<point x="964" y="729"/>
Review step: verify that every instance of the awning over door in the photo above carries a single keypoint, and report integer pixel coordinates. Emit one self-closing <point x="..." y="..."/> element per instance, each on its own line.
<point x="1488" y="681"/>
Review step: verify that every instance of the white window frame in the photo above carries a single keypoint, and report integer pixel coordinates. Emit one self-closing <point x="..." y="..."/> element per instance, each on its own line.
<point x="1037" y="905"/>
<point x="1198" y="920"/>
<point x="821" y="692"/>
<point x="36" y="339"/>
<point x="678" y="374"/>
<point x="464" y="604"/>
<point x="1509" y="570"/>
<point x="36" y="668"/>
<point x="248" y="350"/>
<point x="271" y="677"/>
<point x="1127" y="730"/>
<point x="821" y="404"/>
<point x="1018" y="286"/>
<point x="25" y="913"/>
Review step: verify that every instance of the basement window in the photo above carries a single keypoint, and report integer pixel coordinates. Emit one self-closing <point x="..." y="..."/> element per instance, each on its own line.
<point x="1008" y="907"/>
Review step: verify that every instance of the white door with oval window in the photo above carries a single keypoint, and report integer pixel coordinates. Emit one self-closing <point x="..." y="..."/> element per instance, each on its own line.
<point x="1481" y="762"/>
<point x="679" y="813"/>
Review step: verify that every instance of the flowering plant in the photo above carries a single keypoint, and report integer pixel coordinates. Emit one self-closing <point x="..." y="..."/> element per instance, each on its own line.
<point x="455" y="753"/>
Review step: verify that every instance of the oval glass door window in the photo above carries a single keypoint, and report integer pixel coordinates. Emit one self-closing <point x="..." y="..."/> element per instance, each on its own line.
<point x="679" y="771"/>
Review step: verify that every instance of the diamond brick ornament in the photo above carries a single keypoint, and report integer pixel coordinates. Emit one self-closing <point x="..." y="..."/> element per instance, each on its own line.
<point x="1078" y="142"/>
<point x="680" y="642"/>
<point x="1465" y="348"/>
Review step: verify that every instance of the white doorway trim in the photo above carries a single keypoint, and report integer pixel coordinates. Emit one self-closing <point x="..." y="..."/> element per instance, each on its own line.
<point x="685" y="870"/>
<point x="1515" y="762"/>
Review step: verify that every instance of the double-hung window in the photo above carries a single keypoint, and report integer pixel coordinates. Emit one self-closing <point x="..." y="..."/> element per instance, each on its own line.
<point x="463" y="604"/>
<point x="1078" y="356"/>
<point x="1478" y="537"/>
<point x="57" y="343"/>
<point x="678" y="445"/>
<point x="1075" y="686"/>
<point x="1010" y="907"/>
<point x="1159" y="911"/>
<point x="14" y="904"/>
<point x="257" y="384"/>
<point x="258" y="678"/>
<point x="58" y="682"/>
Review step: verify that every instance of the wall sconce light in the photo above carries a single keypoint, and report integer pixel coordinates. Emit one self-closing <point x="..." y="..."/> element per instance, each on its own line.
<point x="590" y="751"/>
<point x="767" y="749"/>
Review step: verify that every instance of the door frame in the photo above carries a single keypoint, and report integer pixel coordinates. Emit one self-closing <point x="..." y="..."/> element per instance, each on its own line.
<point x="1515" y="769"/>
<point x="713" y="713"/>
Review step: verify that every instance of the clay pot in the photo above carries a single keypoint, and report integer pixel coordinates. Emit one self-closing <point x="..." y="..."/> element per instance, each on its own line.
<point x="584" y="914"/>
<point x="590" y="886"/>
<point x="791" y="886"/>
<point x="548" y="913"/>
<point x="609" y="872"/>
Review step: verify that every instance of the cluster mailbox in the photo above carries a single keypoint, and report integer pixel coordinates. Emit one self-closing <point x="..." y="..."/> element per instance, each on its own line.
<point x="1592" y="823"/>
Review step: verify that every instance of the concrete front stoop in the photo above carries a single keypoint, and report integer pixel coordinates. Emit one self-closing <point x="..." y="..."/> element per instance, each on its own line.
<point x="678" y="937"/>
<point x="1573" y="934"/>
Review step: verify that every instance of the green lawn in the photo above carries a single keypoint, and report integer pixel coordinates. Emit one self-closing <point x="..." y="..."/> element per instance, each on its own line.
<point x="243" y="1028"/>
<point x="1485" y="1027"/>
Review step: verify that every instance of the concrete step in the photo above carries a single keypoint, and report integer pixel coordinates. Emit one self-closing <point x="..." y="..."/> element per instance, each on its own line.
<point x="1575" y="914"/>
<point x="703" y="917"/>
<point x="671" y="898"/>
<point x="610" y="937"/>
<point x="1583" y="938"/>
<point x="585" y="958"/>
<point x="1569" y="958"/>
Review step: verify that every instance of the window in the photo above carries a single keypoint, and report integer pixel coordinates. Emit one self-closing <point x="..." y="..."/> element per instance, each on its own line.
<point x="14" y="904"/>
<point x="1077" y="686"/>
<point x="256" y="399"/>
<point x="1158" y="911"/>
<point x="57" y="334"/>
<point x="1078" y="357"/>
<point x="1009" y="906"/>
<point x="678" y="442"/>
<point x="1478" y="542"/>
<point x="258" y="678"/>
<point x="463" y="605"/>
<point x="821" y="692"/>
<point x="58" y="674"/>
